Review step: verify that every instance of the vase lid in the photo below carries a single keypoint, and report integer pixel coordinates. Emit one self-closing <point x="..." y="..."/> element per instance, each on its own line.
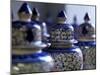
<point x="25" y="9"/>
<point x="86" y="17"/>
<point x="61" y="14"/>
<point x="35" y="12"/>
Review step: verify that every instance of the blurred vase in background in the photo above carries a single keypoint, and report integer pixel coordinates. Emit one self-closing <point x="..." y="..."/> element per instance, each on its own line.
<point x="87" y="43"/>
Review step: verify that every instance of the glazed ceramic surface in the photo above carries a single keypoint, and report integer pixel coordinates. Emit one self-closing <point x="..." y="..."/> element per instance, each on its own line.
<point x="89" y="54"/>
<point x="31" y="63"/>
<point x="36" y="18"/>
<point x="66" y="56"/>
<point x="66" y="59"/>
<point x="25" y="58"/>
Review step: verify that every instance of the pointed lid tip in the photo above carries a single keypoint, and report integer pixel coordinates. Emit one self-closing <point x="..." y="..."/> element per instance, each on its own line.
<point x="62" y="14"/>
<point x="86" y="17"/>
<point x="35" y="12"/>
<point x="25" y="8"/>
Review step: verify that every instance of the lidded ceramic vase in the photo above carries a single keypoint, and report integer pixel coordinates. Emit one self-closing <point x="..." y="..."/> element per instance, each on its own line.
<point x="27" y="45"/>
<point x="87" y="43"/>
<point x="66" y="55"/>
<point x="36" y="18"/>
<point x="76" y="27"/>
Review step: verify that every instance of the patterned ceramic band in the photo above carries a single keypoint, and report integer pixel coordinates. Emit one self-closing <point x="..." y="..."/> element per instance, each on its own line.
<point x="61" y="45"/>
<point x="62" y="50"/>
<point x="86" y="43"/>
<point x="28" y="58"/>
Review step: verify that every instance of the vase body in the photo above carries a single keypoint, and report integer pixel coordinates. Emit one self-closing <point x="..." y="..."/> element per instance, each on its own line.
<point x="89" y="54"/>
<point x="66" y="56"/>
<point x="31" y="63"/>
<point x="66" y="59"/>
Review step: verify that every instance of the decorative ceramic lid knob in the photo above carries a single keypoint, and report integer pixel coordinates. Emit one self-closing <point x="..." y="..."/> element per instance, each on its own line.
<point x="25" y="11"/>
<point x="35" y="14"/>
<point x="61" y="17"/>
<point x="86" y="17"/>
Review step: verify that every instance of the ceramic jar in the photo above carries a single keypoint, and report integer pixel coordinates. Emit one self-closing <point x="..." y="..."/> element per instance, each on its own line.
<point x="27" y="45"/>
<point x="76" y="27"/>
<point x="87" y="43"/>
<point x="36" y="18"/>
<point x="67" y="57"/>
